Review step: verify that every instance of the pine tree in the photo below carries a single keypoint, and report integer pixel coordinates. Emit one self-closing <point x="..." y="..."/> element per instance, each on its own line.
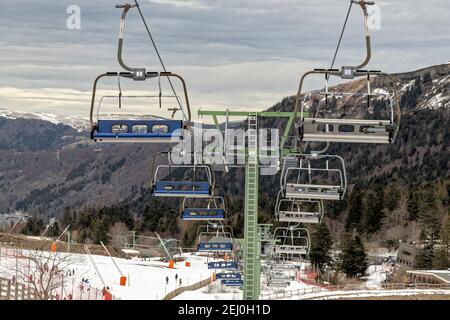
<point x="99" y="229"/>
<point x="430" y="216"/>
<point x="441" y="259"/>
<point x="424" y="260"/>
<point x="54" y="230"/>
<point x="150" y="219"/>
<point x="374" y="211"/>
<point x="355" y="210"/>
<point x="354" y="258"/>
<point x="392" y="196"/>
<point x="445" y="232"/>
<point x="67" y="217"/>
<point x="321" y="245"/>
<point x="413" y="206"/>
<point x="33" y="227"/>
<point x="442" y="256"/>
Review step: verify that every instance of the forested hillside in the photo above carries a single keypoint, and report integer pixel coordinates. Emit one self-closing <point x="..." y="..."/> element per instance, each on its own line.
<point x="398" y="191"/>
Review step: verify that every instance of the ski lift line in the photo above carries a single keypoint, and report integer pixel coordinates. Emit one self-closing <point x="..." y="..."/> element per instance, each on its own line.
<point x="137" y="5"/>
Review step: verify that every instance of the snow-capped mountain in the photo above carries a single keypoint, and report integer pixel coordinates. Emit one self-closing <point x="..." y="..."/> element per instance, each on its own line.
<point x="74" y="122"/>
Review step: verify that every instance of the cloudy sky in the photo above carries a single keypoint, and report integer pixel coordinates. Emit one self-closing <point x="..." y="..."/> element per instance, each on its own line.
<point x="236" y="54"/>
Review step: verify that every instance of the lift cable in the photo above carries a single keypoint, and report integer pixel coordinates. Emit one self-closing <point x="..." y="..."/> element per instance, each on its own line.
<point x="332" y="65"/>
<point x="340" y="37"/>
<point x="159" y="56"/>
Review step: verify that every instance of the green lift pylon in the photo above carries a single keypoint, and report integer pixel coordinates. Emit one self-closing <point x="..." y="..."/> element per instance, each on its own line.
<point x="252" y="242"/>
<point x="251" y="253"/>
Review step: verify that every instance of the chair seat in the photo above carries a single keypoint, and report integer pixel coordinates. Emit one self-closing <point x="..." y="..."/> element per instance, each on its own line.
<point x="202" y="214"/>
<point x="215" y="246"/>
<point x="181" y="188"/>
<point x="222" y="265"/>
<point x="138" y="130"/>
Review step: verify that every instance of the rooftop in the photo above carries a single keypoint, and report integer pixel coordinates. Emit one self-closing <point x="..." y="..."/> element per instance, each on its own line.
<point x="444" y="275"/>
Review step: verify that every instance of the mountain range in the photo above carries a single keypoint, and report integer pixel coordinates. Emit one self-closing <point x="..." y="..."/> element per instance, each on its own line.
<point x="48" y="162"/>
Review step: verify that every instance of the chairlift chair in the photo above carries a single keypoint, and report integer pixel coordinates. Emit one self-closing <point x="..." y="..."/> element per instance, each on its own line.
<point x="298" y="211"/>
<point x="148" y="129"/>
<point x="194" y="188"/>
<point x="294" y="242"/>
<point x="381" y="131"/>
<point x="309" y="182"/>
<point x="212" y="210"/>
<point x="278" y="280"/>
<point x="214" y="238"/>
<point x="152" y="130"/>
<point x="337" y="129"/>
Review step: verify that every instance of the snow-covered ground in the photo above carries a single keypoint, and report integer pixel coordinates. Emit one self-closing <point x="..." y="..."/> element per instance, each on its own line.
<point x="146" y="279"/>
<point x="212" y="292"/>
<point x="377" y="275"/>
<point x="332" y="295"/>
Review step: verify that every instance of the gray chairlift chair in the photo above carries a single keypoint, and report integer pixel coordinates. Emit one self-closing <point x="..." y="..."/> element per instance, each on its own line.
<point x="309" y="179"/>
<point x="298" y="211"/>
<point x="294" y="242"/>
<point x="356" y="130"/>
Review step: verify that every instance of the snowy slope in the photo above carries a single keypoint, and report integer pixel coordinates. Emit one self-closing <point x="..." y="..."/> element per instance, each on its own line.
<point x="76" y="123"/>
<point x="147" y="279"/>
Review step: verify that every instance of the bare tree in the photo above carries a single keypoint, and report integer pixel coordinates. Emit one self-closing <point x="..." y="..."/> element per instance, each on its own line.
<point x="118" y="232"/>
<point x="46" y="272"/>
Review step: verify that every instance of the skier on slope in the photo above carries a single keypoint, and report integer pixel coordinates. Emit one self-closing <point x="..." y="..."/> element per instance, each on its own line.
<point x="167" y="279"/>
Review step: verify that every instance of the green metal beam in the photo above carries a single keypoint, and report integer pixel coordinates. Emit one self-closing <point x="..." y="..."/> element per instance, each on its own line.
<point x="266" y="114"/>
<point x="252" y="239"/>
